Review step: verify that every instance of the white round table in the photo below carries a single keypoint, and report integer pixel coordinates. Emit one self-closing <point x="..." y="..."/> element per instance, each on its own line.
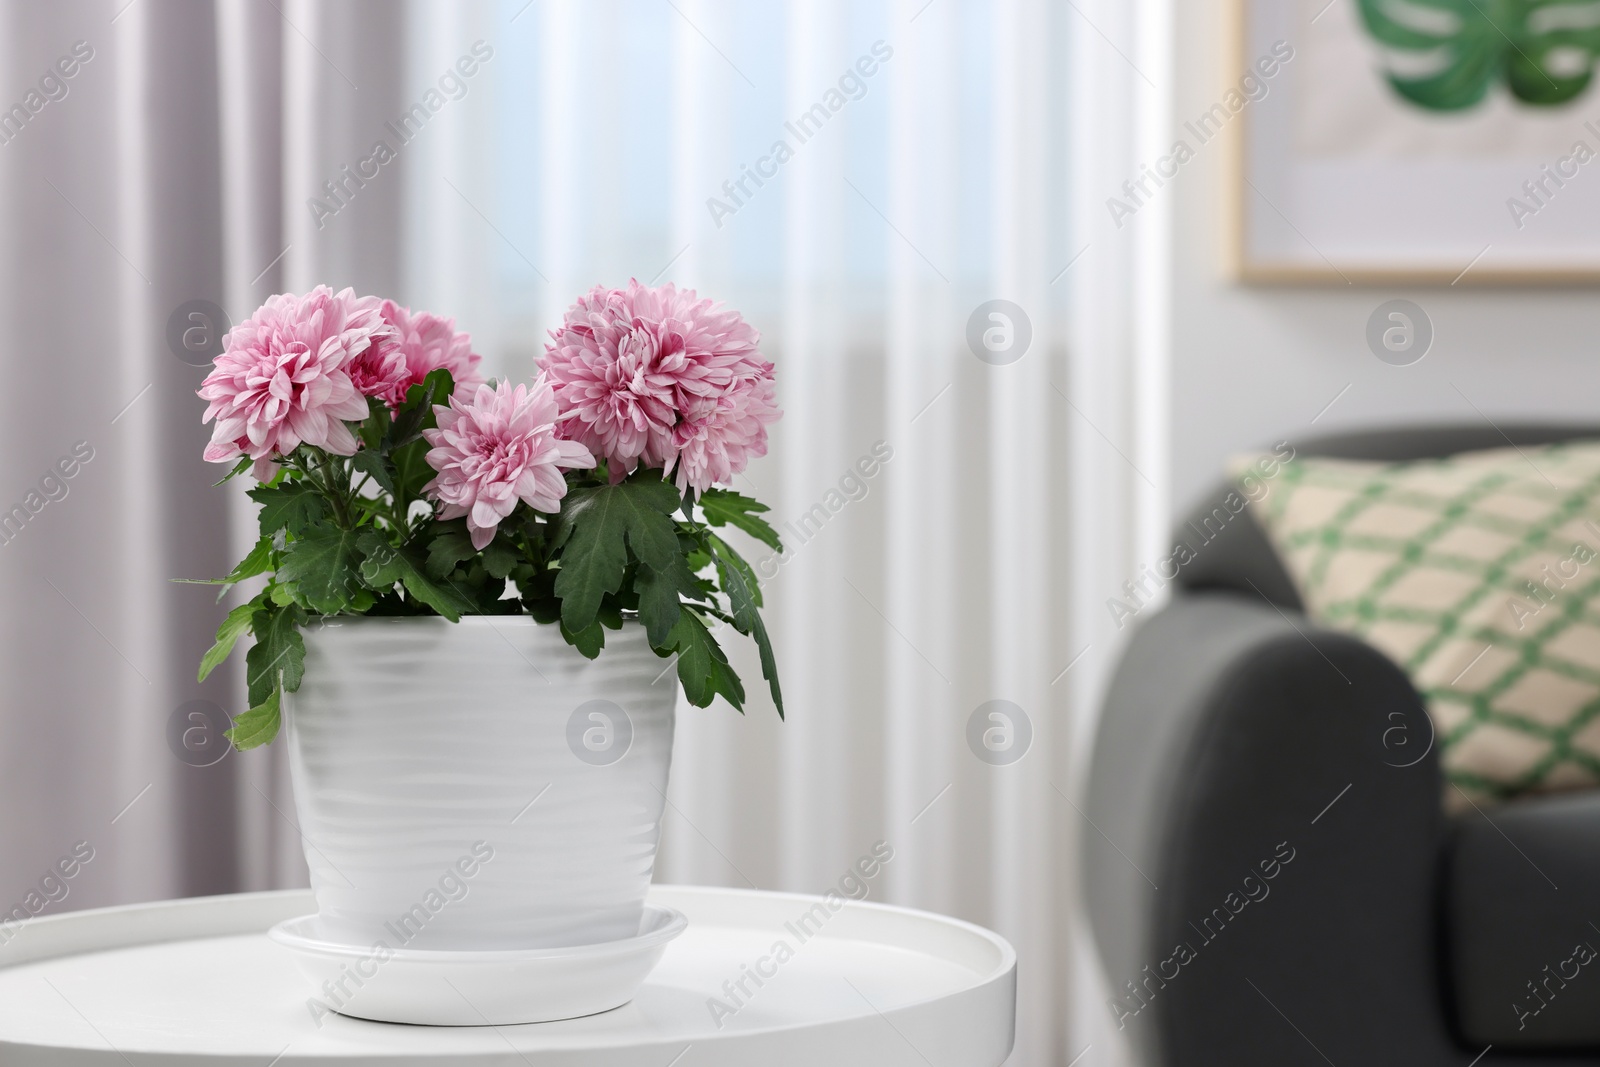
<point x="197" y="982"/>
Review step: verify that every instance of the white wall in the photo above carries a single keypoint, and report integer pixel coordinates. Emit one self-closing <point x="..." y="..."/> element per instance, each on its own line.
<point x="1254" y="364"/>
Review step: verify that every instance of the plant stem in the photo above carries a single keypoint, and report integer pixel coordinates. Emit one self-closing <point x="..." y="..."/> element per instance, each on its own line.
<point x="320" y="478"/>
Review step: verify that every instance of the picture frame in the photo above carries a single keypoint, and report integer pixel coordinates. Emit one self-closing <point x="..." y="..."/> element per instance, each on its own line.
<point x="1338" y="178"/>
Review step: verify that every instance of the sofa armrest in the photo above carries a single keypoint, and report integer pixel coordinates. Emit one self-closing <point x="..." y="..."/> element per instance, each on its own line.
<point x="1522" y="882"/>
<point x="1262" y="862"/>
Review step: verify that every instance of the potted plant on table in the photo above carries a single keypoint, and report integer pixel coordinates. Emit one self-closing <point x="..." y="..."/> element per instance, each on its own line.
<point x="473" y="589"/>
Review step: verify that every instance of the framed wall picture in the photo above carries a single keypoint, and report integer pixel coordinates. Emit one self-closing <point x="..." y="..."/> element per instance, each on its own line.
<point x="1455" y="141"/>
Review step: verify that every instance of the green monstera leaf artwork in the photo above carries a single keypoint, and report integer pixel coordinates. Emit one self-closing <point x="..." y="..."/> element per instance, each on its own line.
<point x="1543" y="49"/>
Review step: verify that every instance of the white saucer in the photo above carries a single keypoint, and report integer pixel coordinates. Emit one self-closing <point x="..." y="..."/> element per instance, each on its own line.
<point x="499" y="987"/>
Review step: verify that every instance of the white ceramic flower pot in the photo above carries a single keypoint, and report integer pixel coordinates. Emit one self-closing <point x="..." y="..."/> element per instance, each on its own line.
<point x="478" y="785"/>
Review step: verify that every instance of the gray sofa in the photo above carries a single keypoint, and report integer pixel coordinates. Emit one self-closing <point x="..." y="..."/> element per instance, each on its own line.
<point x="1270" y="876"/>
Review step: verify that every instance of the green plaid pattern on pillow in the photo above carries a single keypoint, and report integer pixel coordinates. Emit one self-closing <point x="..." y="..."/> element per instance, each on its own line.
<point x="1480" y="576"/>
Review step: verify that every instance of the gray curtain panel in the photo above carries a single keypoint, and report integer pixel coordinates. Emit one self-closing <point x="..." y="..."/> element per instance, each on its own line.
<point x="111" y="215"/>
<point x="142" y="161"/>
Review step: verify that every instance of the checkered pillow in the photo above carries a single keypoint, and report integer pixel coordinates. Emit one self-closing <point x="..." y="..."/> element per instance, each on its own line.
<point x="1480" y="576"/>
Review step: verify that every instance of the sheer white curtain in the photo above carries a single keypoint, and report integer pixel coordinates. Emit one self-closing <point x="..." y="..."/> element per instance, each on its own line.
<point x="937" y="155"/>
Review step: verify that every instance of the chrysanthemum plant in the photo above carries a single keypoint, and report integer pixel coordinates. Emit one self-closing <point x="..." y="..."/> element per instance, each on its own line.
<point x="395" y="481"/>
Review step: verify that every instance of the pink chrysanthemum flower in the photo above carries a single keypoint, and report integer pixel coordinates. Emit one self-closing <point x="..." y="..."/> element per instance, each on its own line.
<point x="419" y="343"/>
<point x="495" y="449"/>
<point x="717" y="438"/>
<point x="380" y="370"/>
<point x="648" y="375"/>
<point x="283" y="377"/>
<point x="428" y="342"/>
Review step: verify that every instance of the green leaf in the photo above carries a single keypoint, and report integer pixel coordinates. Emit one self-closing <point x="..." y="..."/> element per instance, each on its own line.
<point x="538" y="596"/>
<point x="381" y="566"/>
<point x="724" y="507"/>
<point x="244" y="464"/>
<point x="498" y="604"/>
<point x="288" y="506"/>
<point x="573" y="506"/>
<point x="442" y="596"/>
<point x="385" y="566"/>
<point x="450" y="546"/>
<point x="1379" y="20"/>
<point x="500" y="556"/>
<point x="415" y="412"/>
<point x="323" y="563"/>
<point x="1462" y="85"/>
<point x="543" y="609"/>
<point x="658" y="604"/>
<point x="1532" y="79"/>
<point x="725" y="554"/>
<point x="589" y="640"/>
<point x="410" y="462"/>
<point x="1468" y="45"/>
<point x="659" y="597"/>
<point x="278" y="657"/>
<point x="443" y="385"/>
<point x="258" y="726"/>
<point x="258" y="561"/>
<point x="228" y="634"/>
<point x="372" y="464"/>
<point x="376" y="425"/>
<point x="599" y="528"/>
<point x="746" y="619"/>
<point x="702" y="665"/>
